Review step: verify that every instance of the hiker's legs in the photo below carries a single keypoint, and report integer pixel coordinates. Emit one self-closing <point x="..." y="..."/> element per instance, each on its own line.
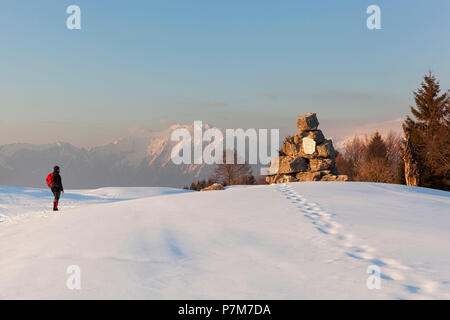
<point x="57" y="194"/>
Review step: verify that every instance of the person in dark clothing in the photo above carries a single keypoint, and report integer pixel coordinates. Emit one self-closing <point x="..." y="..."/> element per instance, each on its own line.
<point x="57" y="187"/>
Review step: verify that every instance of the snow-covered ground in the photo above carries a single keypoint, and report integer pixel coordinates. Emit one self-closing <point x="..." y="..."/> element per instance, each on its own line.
<point x="19" y="204"/>
<point x="292" y="241"/>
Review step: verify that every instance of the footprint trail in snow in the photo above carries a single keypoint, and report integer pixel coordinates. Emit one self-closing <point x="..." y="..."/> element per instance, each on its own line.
<point x="391" y="269"/>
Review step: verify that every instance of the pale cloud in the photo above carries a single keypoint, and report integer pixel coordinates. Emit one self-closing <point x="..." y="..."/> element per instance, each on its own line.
<point x="343" y="134"/>
<point x="215" y="103"/>
<point x="55" y="122"/>
<point x="270" y="96"/>
<point x="353" y="96"/>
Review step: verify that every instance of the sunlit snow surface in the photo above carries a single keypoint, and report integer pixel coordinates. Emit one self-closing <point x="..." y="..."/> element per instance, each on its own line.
<point x="291" y="241"/>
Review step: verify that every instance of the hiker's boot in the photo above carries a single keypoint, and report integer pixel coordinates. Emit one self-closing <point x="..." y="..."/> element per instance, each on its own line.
<point x="55" y="206"/>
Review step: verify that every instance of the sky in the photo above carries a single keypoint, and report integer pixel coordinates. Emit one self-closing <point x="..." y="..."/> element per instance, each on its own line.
<point x="232" y="64"/>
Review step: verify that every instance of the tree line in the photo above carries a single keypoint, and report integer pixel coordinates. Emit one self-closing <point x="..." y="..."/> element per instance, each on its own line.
<point x="420" y="158"/>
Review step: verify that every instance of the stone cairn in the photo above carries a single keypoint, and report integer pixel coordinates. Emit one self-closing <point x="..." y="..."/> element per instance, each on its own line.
<point x="307" y="156"/>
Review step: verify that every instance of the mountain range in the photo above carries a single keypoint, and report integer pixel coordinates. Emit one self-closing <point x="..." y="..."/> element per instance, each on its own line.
<point x="140" y="159"/>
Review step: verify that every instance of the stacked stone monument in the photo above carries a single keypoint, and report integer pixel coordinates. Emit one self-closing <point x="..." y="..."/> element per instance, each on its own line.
<point x="307" y="156"/>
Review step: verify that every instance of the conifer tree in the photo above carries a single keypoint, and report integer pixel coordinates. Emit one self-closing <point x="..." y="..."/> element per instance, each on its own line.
<point x="376" y="147"/>
<point x="428" y="134"/>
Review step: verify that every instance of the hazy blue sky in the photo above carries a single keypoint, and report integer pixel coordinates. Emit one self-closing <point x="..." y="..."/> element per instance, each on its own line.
<point x="229" y="63"/>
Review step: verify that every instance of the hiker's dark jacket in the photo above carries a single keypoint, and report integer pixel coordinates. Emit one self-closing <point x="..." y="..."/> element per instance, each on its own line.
<point x="57" y="183"/>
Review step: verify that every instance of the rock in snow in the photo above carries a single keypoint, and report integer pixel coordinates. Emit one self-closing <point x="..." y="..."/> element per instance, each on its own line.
<point x="214" y="186"/>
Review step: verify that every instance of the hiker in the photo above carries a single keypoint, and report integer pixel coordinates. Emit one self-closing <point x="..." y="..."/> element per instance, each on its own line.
<point x="55" y="184"/>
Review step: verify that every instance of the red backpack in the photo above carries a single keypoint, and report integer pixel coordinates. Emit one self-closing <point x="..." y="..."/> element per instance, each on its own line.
<point x="49" y="180"/>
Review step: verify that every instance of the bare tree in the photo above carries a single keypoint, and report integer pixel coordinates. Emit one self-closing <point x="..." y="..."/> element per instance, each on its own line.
<point x="394" y="156"/>
<point x="374" y="159"/>
<point x="355" y="150"/>
<point x="233" y="173"/>
<point x="374" y="170"/>
<point x="351" y="158"/>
